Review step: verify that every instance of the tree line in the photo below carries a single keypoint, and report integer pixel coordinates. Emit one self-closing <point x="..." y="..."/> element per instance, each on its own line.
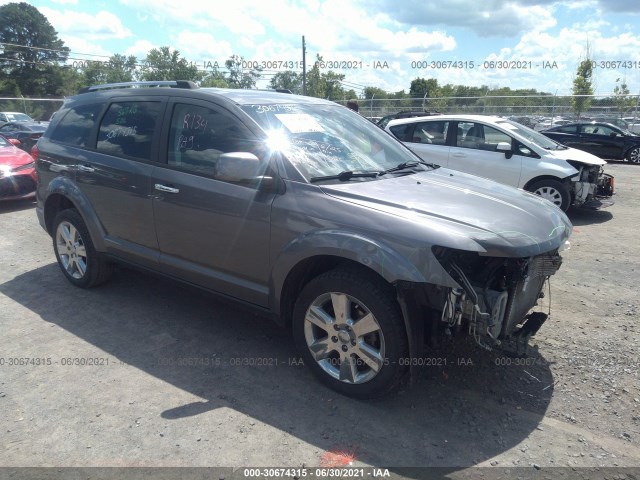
<point x="34" y="62"/>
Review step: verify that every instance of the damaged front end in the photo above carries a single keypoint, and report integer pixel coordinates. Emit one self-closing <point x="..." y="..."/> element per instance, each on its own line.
<point x="591" y="187"/>
<point x="494" y="295"/>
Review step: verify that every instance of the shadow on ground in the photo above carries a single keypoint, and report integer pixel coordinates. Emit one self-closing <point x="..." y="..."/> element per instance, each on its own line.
<point x="580" y="217"/>
<point x="8" y="206"/>
<point x="469" y="405"/>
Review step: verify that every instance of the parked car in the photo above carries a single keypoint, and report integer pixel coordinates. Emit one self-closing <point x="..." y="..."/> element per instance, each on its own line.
<point x="634" y="124"/>
<point x="27" y="133"/>
<point x="601" y="139"/>
<point x="509" y="153"/>
<point x="6" y="117"/>
<point x="300" y="208"/>
<point x="406" y="114"/>
<point x="17" y="172"/>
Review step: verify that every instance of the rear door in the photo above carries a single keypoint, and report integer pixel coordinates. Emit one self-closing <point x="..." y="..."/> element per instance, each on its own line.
<point x="427" y="139"/>
<point x="211" y="232"/>
<point x="116" y="176"/>
<point x="474" y="151"/>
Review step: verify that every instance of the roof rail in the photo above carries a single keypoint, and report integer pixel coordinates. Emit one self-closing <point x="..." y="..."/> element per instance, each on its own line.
<point x="160" y="83"/>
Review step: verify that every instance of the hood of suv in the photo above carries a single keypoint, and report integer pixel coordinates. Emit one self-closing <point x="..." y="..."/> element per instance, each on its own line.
<point x="501" y="220"/>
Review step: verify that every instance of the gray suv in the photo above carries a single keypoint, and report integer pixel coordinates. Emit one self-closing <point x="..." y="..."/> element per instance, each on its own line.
<point x="301" y="208"/>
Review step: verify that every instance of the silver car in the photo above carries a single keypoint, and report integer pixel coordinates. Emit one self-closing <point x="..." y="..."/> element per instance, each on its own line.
<point x="301" y="208"/>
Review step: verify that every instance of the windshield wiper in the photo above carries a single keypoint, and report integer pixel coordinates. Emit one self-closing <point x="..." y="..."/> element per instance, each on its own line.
<point x="344" y="176"/>
<point x="405" y="165"/>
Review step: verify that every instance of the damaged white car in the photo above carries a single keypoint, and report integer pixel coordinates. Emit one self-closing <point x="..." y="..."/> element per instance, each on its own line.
<point x="510" y="153"/>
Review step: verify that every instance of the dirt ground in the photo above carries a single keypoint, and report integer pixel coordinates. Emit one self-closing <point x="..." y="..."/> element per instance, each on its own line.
<point x="145" y="372"/>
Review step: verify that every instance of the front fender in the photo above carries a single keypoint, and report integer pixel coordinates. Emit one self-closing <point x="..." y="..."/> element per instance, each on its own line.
<point x="65" y="187"/>
<point x="373" y="254"/>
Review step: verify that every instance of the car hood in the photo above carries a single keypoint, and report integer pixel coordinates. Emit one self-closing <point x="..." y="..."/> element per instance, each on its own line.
<point x="14" y="157"/>
<point x="451" y="206"/>
<point x="577" y="155"/>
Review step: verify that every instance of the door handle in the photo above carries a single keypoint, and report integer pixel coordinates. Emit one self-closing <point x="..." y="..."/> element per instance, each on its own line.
<point x="164" y="188"/>
<point x="86" y="168"/>
<point x="461" y="155"/>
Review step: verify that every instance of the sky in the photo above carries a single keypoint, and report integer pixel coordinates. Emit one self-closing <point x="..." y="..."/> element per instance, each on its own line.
<point x="383" y="43"/>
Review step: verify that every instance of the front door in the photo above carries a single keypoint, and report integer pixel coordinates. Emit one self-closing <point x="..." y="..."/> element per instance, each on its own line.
<point x="211" y="232"/>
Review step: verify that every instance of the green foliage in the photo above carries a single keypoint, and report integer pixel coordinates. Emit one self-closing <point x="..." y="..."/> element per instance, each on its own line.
<point x="238" y="76"/>
<point x="118" y="69"/>
<point x="582" y="85"/>
<point x="31" y="49"/>
<point x="287" y="79"/>
<point x="325" y="85"/>
<point x="622" y="100"/>
<point x="166" y="64"/>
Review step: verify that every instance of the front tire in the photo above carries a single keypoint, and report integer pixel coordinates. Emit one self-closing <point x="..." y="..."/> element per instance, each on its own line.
<point x="634" y="155"/>
<point x="554" y="191"/>
<point x="350" y="331"/>
<point x="76" y="255"/>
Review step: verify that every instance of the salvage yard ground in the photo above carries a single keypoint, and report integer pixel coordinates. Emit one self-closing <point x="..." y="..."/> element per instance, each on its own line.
<point x="147" y="372"/>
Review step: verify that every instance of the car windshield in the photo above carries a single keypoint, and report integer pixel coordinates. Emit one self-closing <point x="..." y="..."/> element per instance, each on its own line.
<point x="323" y="140"/>
<point x="531" y="135"/>
<point x="19" y="117"/>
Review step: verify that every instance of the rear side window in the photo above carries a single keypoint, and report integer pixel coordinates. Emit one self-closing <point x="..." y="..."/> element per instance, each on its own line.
<point x="127" y="129"/>
<point x="75" y="127"/>
<point x="402" y="131"/>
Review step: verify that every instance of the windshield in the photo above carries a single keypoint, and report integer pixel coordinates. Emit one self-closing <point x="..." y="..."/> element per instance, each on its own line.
<point x="328" y="140"/>
<point x="530" y="134"/>
<point x="19" y="117"/>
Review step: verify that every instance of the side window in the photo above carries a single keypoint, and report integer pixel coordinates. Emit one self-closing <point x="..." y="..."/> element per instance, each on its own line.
<point x="480" y="137"/>
<point x="598" y="130"/>
<point x="199" y="135"/>
<point x="127" y="129"/>
<point x="431" y="132"/>
<point x="75" y="127"/>
<point x="571" y="129"/>
<point x="402" y="132"/>
<point x="469" y="135"/>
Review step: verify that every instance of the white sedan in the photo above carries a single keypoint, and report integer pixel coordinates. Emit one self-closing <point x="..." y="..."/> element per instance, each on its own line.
<point x="510" y="153"/>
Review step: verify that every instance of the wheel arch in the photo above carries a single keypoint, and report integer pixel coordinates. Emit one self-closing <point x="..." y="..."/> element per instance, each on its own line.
<point x="63" y="194"/>
<point x="539" y="178"/>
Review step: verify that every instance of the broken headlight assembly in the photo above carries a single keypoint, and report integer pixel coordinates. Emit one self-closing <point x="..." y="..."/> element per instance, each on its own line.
<point x="495" y="294"/>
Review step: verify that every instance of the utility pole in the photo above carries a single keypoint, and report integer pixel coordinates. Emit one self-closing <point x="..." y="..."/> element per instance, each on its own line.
<point x="304" y="67"/>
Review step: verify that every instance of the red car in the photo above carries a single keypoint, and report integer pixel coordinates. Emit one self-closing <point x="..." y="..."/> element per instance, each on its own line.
<point x="17" y="172"/>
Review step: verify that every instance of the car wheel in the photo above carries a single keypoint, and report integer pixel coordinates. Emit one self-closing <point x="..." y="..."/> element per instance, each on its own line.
<point x="350" y="330"/>
<point x="76" y="255"/>
<point x="554" y="191"/>
<point x="634" y="155"/>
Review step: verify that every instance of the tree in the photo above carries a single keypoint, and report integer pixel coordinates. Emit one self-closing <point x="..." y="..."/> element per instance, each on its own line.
<point x="324" y="85"/>
<point x="582" y="85"/>
<point x="214" y="78"/>
<point x="239" y="76"/>
<point x="31" y="49"/>
<point x="421" y="86"/>
<point x="289" y="80"/>
<point x="166" y="64"/>
<point x="622" y="100"/>
<point x="118" y="69"/>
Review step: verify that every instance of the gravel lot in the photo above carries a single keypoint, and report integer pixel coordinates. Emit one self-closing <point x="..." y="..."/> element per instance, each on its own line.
<point x="149" y="373"/>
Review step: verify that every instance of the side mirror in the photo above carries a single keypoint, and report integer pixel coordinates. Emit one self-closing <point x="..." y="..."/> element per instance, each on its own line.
<point x="237" y="167"/>
<point x="244" y="168"/>
<point x="506" y="148"/>
<point x="15" y="141"/>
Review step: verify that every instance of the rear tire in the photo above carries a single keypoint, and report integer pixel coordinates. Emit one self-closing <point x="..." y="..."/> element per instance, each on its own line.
<point x="79" y="261"/>
<point x="554" y="191"/>
<point x="634" y="155"/>
<point x="350" y="331"/>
